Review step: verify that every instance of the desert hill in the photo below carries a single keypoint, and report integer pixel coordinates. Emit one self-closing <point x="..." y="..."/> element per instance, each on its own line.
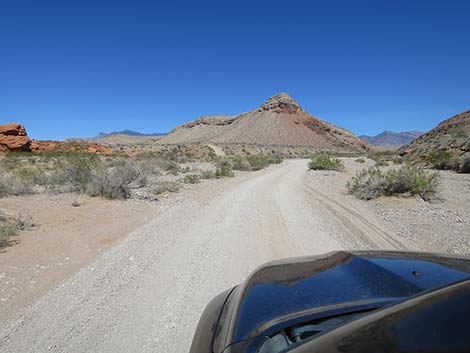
<point x="452" y="134"/>
<point x="391" y="138"/>
<point x="279" y="121"/>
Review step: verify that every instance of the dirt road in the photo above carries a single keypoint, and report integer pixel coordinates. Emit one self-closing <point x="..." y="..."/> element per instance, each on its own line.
<point x="146" y="294"/>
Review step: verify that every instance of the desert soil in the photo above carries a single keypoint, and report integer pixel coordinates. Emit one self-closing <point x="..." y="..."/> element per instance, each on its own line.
<point x="146" y="293"/>
<point x="64" y="239"/>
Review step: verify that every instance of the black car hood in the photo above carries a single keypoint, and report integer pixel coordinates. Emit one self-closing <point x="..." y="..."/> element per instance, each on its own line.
<point x="282" y="288"/>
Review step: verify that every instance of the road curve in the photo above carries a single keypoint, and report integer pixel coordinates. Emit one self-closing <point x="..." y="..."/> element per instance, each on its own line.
<point x="146" y="294"/>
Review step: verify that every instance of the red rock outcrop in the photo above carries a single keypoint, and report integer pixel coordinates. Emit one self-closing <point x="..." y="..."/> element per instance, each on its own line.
<point x="70" y="146"/>
<point x="13" y="137"/>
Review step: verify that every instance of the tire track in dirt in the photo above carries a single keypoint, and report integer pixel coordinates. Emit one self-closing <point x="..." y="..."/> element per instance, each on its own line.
<point x="362" y="229"/>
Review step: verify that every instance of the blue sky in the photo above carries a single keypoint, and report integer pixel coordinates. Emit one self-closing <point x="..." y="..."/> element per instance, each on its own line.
<point x="74" y="68"/>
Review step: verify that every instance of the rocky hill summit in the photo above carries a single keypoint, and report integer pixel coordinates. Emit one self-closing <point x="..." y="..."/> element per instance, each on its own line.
<point x="280" y="121"/>
<point x="281" y="103"/>
<point x="452" y="134"/>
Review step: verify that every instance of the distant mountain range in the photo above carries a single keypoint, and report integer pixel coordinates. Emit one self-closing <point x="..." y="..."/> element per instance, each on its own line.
<point x="391" y="139"/>
<point x="127" y="133"/>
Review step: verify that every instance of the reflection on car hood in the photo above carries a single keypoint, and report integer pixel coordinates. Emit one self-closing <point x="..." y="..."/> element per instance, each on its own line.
<point x="285" y="287"/>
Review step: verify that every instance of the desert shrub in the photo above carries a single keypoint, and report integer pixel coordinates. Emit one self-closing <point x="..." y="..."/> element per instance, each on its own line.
<point x="224" y="168"/>
<point x="367" y="184"/>
<point x="360" y="160"/>
<point x="167" y="186"/>
<point x="115" y="182"/>
<point x="409" y="179"/>
<point x="254" y="162"/>
<point x="10" y="227"/>
<point x="170" y="166"/>
<point x="208" y="174"/>
<point x="381" y="163"/>
<point x="241" y="163"/>
<point x="442" y="159"/>
<point x="258" y="162"/>
<point x="75" y="171"/>
<point x="7" y="230"/>
<point x="464" y="166"/>
<point x="191" y="179"/>
<point x="397" y="160"/>
<point x="18" y="182"/>
<point x="459" y="133"/>
<point x="323" y="161"/>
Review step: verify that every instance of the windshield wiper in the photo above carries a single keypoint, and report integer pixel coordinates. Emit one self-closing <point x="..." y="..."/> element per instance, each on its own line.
<point x="294" y="334"/>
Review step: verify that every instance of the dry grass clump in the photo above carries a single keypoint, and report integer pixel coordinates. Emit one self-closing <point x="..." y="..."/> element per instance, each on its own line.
<point x="167" y="186"/>
<point x="10" y="227"/>
<point x="408" y="180"/>
<point x="324" y="161"/>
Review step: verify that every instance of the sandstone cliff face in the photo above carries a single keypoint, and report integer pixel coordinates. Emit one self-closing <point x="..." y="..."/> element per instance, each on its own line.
<point x="279" y="121"/>
<point x="13" y="137"/>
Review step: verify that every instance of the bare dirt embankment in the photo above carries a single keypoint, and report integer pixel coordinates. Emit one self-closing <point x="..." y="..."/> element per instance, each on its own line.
<point x="146" y="293"/>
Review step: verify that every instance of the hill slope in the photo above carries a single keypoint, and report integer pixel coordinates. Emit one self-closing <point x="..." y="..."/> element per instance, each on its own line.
<point x="279" y="121"/>
<point x="452" y="134"/>
<point x="390" y="138"/>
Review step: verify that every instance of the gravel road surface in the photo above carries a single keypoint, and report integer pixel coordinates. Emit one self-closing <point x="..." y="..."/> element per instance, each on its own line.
<point x="146" y="294"/>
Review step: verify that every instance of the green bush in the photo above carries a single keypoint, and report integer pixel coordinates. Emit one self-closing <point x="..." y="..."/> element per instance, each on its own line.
<point x="167" y="186"/>
<point x="224" y="168"/>
<point x="442" y="159"/>
<point x="191" y="179"/>
<point x="323" y="161"/>
<point x="258" y="162"/>
<point x="409" y="179"/>
<point x="360" y="160"/>
<point x="75" y="171"/>
<point x="254" y="162"/>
